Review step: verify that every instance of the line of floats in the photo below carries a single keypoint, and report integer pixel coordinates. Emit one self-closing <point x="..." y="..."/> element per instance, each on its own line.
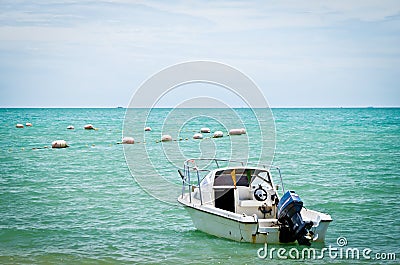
<point x="131" y="140"/>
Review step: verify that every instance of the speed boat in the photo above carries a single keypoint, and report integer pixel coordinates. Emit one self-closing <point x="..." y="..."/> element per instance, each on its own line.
<point x="234" y="200"/>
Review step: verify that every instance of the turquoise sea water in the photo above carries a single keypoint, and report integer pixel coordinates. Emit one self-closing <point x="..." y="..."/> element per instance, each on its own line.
<point x="81" y="205"/>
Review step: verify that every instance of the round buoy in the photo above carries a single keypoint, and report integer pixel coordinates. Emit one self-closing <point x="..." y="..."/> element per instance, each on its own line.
<point x="237" y="131"/>
<point x="128" y="140"/>
<point x="205" y="130"/>
<point x="88" y="127"/>
<point x="19" y="125"/>
<point x="166" y="138"/>
<point x="70" y="127"/>
<point x="218" y="134"/>
<point x="197" y="136"/>
<point x="28" y="124"/>
<point x="147" y="129"/>
<point x="59" y="144"/>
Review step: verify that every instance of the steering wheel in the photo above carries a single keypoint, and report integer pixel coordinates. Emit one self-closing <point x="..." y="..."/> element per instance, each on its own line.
<point x="260" y="194"/>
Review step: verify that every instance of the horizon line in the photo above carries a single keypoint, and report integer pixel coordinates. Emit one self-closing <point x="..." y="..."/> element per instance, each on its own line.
<point x="167" y="107"/>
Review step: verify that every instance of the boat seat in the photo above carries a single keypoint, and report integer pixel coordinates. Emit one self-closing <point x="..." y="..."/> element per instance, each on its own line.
<point x="243" y="193"/>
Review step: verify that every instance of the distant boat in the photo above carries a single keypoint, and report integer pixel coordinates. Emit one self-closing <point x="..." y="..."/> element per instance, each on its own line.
<point x="241" y="203"/>
<point x="119" y="107"/>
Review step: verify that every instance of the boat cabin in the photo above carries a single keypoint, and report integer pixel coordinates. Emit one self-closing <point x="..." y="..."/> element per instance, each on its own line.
<point x="241" y="190"/>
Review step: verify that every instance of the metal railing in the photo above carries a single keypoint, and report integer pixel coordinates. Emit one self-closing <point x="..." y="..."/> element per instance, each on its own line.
<point x="190" y="165"/>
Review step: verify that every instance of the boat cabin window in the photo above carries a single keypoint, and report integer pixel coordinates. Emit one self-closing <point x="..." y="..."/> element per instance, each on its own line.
<point x="224" y="177"/>
<point x="243" y="177"/>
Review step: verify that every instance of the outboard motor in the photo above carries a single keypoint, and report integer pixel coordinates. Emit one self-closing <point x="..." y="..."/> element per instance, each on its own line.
<point x="292" y="225"/>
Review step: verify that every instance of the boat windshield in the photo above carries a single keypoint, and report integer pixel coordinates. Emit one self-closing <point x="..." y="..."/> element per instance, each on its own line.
<point x="242" y="177"/>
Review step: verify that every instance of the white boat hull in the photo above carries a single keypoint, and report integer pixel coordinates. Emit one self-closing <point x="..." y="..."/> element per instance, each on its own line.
<point x="228" y="228"/>
<point x="241" y="228"/>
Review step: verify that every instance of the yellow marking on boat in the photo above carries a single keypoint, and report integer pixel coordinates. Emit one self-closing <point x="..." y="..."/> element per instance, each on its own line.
<point x="233" y="175"/>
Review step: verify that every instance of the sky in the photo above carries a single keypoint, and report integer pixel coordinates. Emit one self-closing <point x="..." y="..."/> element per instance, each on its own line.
<point x="300" y="53"/>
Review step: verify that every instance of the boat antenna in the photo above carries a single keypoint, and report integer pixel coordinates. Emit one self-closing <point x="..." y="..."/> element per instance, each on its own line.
<point x="280" y="176"/>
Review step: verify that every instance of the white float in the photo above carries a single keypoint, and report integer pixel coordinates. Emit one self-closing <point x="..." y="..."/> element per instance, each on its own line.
<point x="205" y="130"/>
<point x="236" y="131"/>
<point x="70" y="127"/>
<point x="166" y="138"/>
<point x="218" y="134"/>
<point x="59" y="144"/>
<point x="128" y="140"/>
<point x="88" y="127"/>
<point x="28" y="124"/>
<point x="197" y="136"/>
<point x="147" y="129"/>
<point x="19" y="125"/>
